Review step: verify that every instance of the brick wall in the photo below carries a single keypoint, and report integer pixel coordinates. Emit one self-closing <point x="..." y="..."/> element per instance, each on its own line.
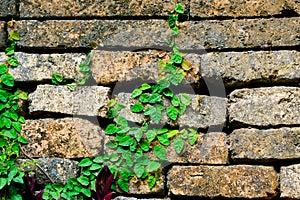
<point x="245" y="88"/>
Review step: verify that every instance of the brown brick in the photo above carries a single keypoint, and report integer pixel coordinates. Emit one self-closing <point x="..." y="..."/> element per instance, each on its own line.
<point x="241" y="181"/>
<point x="96" y="8"/>
<point x="204" y="112"/>
<point x="7" y="8"/>
<point x="209" y="34"/>
<point x="126" y="66"/>
<point x="290" y="182"/>
<point x="242" y="8"/>
<point x="266" y="106"/>
<point x="85" y="100"/>
<point x="40" y="67"/>
<point x="256" y="145"/>
<point x="59" y="169"/>
<point x="65" y="138"/>
<point x="210" y="148"/>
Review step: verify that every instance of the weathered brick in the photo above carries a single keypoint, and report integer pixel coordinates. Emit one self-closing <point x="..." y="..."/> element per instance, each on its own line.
<point x="59" y="169"/>
<point x="204" y="111"/>
<point x="85" y="100"/>
<point x="265" y="145"/>
<point x="64" y="138"/>
<point x="96" y="8"/>
<point x="242" y="8"/>
<point x="121" y="66"/>
<point x="39" y="67"/>
<point x="244" y="68"/>
<point x="242" y="181"/>
<point x="133" y="198"/>
<point x="7" y="8"/>
<point x="235" y="68"/>
<point x="3" y="36"/>
<point x="210" y="148"/>
<point x="209" y="34"/>
<point x="290" y="182"/>
<point x="266" y="106"/>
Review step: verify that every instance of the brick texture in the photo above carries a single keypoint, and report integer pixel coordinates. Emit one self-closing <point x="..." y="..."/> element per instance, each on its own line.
<point x="7" y="8"/>
<point x="3" y="35"/>
<point x="290" y="182"/>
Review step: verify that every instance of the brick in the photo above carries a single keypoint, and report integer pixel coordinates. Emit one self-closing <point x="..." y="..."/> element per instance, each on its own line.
<point x="204" y="112"/>
<point x="243" y="33"/>
<point x="133" y="198"/>
<point x="290" y="182"/>
<point x="242" y="8"/>
<point x="59" y="169"/>
<point x="97" y="8"/>
<point x="64" y="138"/>
<point x="85" y="100"/>
<point x="245" y="68"/>
<point x="8" y="8"/>
<point x="242" y="181"/>
<point x="208" y="34"/>
<point x="3" y="35"/>
<point x="210" y="148"/>
<point x="266" y="106"/>
<point x="254" y="145"/>
<point x="125" y="66"/>
<point x="39" y="67"/>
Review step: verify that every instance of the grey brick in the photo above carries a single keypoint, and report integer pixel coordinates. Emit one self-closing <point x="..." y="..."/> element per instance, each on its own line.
<point x="290" y="182"/>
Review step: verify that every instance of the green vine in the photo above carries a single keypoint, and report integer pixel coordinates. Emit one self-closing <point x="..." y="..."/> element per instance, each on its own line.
<point x="11" y="177"/>
<point x="131" y="146"/>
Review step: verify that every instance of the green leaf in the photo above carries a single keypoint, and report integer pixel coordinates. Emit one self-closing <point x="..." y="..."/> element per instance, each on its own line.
<point x="13" y="61"/>
<point x="22" y="140"/>
<point x="83" y="180"/>
<point x="112" y="113"/>
<point x="16" y="197"/>
<point x="151" y="134"/>
<point x="175" y="101"/>
<point x="178" y="145"/>
<point x="98" y="159"/>
<point x="144" y="98"/>
<point x="168" y="93"/>
<point x="179" y="8"/>
<point x="175" y="31"/>
<point x="57" y="79"/>
<point x="160" y="152"/>
<point x="172" y="133"/>
<point x="176" y="78"/>
<point x="10" y="133"/>
<point x="161" y="65"/>
<point x="84" y="67"/>
<point x="151" y="181"/>
<point x="114" y="157"/>
<point x="111" y="144"/>
<point x="144" y="145"/>
<point x="8" y="79"/>
<point x="182" y="109"/>
<point x="161" y="85"/>
<point x="170" y="68"/>
<point x="137" y="133"/>
<point x="192" y="137"/>
<point x="139" y="170"/>
<point x="85" y="162"/>
<point x="137" y="107"/>
<point x="176" y="58"/>
<point x="17" y="126"/>
<point x="21" y="120"/>
<point x="122" y="121"/>
<point x="9" y="51"/>
<point x="123" y="184"/>
<point x="155" y="98"/>
<point x="172" y="20"/>
<point x="145" y="86"/>
<point x="5" y="122"/>
<point x="136" y="93"/>
<point x="23" y="95"/>
<point x="153" y="166"/>
<point x="72" y="86"/>
<point x="2" y="183"/>
<point x="14" y="35"/>
<point x="163" y="139"/>
<point x="125" y="141"/>
<point x="3" y="68"/>
<point x="19" y="179"/>
<point x="111" y="129"/>
<point x="95" y="166"/>
<point x="186" y="65"/>
<point x="119" y="106"/>
<point x="86" y="191"/>
<point x="185" y="99"/>
<point x="172" y="112"/>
